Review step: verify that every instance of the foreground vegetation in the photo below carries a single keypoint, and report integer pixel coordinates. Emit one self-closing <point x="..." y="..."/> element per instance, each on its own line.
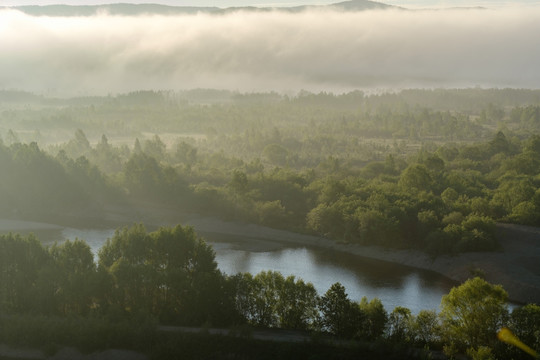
<point x="432" y="170"/>
<point x="59" y="296"/>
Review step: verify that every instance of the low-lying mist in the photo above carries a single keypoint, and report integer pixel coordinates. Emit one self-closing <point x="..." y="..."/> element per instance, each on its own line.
<point x="255" y="51"/>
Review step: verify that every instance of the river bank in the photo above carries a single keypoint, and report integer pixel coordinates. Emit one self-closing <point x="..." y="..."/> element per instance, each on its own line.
<point x="516" y="266"/>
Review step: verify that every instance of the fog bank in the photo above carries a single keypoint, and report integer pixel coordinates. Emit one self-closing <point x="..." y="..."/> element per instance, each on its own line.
<point x="247" y="51"/>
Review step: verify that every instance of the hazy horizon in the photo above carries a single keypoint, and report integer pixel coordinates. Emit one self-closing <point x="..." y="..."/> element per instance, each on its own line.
<point x="284" y="3"/>
<point x="318" y="50"/>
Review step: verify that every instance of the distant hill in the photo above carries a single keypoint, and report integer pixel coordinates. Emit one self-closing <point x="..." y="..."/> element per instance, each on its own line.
<point x="352" y="5"/>
<point x="156" y="9"/>
<point x="360" y="5"/>
<point x="113" y="9"/>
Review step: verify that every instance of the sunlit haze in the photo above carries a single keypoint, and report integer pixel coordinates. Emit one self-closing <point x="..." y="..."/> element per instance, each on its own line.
<point x="318" y="49"/>
<point x="279" y="3"/>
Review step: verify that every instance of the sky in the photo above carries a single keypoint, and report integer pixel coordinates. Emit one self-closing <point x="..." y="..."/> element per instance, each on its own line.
<point x="317" y="50"/>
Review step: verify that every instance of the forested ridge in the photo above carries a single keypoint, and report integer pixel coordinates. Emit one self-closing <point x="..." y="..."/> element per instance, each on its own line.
<point x="61" y="295"/>
<point x="433" y="170"/>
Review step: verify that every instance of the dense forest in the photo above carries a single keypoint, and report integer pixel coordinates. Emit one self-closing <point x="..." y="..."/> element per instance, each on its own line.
<point x="433" y="170"/>
<point x="169" y="277"/>
<point x="427" y="169"/>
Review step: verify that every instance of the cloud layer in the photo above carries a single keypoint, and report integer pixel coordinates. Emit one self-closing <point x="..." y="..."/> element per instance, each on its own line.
<point x="314" y="50"/>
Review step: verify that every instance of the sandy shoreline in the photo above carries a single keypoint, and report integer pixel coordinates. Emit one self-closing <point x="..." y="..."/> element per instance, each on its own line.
<point x="516" y="267"/>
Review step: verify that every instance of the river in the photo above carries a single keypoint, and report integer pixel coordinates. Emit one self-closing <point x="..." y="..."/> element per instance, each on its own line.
<point x="395" y="285"/>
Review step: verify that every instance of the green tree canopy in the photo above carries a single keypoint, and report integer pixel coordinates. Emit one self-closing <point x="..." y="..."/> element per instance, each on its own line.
<point x="170" y="273"/>
<point x="472" y="313"/>
<point x="340" y="315"/>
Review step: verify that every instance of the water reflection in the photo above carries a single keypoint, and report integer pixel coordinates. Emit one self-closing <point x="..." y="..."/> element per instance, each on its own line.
<point x="395" y="285"/>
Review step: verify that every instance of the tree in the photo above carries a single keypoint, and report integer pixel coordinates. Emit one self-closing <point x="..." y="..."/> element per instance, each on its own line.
<point x="525" y="324"/>
<point x="105" y="156"/>
<point x="155" y="148"/>
<point x="472" y="313"/>
<point x="145" y="177"/>
<point x="449" y="196"/>
<point x="327" y="220"/>
<point x="376" y="318"/>
<point x="244" y="288"/>
<point x="21" y="262"/>
<point x="416" y="177"/>
<point x="137" y="148"/>
<point x="478" y="234"/>
<point x="398" y="324"/>
<point x="297" y="305"/>
<point x="513" y="191"/>
<point x="185" y="153"/>
<point x="425" y="327"/>
<point x="525" y="212"/>
<point x="239" y="182"/>
<point x="499" y="144"/>
<point x="170" y="273"/>
<point x="375" y="226"/>
<point x="340" y="316"/>
<point x="271" y="213"/>
<point x="79" y="146"/>
<point x="276" y="154"/>
<point x="428" y="222"/>
<point x="481" y="353"/>
<point x="266" y="297"/>
<point x="75" y="286"/>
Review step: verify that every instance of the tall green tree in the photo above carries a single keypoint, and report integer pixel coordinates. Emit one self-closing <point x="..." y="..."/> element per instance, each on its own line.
<point x="76" y="280"/>
<point x="297" y="305"/>
<point x="472" y="313"/>
<point x="376" y="318"/>
<point x="267" y="291"/>
<point x="416" y="177"/>
<point x="425" y="327"/>
<point x="22" y="260"/>
<point x="399" y="324"/>
<point x="339" y="315"/>
<point x="170" y="273"/>
<point x="525" y="324"/>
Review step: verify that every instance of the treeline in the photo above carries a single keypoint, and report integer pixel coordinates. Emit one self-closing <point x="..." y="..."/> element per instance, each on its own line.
<point x="441" y="201"/>
<point x="326" y="119"/>
<point x="170" y="277"/>
<point x="433" y="170"/>
<point x="447" y="199"/>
